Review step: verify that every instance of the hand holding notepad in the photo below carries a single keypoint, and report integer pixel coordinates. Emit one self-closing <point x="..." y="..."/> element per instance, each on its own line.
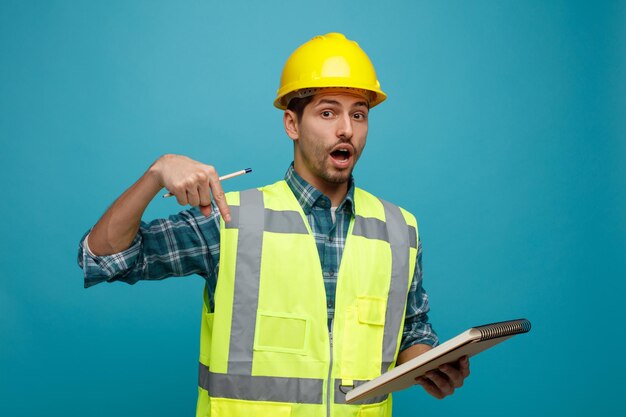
<point x="443" y="381"/>
<point x="469" y="343"/>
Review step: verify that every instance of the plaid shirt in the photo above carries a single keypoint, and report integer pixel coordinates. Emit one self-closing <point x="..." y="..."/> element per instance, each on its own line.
<point x="189" y="243"/>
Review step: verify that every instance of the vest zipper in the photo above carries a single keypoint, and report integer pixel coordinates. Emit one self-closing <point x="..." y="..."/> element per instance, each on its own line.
<point x="330" y="370"/>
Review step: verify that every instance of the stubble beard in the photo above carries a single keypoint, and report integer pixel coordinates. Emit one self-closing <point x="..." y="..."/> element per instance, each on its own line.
<point x="325" y="170"/>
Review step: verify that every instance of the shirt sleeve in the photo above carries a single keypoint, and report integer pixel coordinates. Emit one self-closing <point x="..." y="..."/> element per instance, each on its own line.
<point x="417" y="329"/>
<point x="183" y="244"/>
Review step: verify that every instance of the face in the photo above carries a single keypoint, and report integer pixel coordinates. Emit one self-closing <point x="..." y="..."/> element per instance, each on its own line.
<point x="330" y="137"/>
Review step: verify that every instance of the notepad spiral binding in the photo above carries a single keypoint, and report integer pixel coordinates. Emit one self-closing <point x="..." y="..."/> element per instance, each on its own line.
<point x="503" y="328"/>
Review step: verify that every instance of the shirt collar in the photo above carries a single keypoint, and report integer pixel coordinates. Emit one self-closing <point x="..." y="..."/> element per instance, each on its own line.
<point x="308" y="196"/>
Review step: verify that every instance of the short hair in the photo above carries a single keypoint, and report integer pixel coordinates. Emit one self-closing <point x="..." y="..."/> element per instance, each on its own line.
<point x="297" y="105"/>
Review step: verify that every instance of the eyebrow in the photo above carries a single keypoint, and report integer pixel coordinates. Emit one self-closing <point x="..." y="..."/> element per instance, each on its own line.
<point x="336" y="103"/>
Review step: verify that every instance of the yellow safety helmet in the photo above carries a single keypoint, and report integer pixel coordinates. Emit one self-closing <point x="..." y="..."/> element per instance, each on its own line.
<point x="325" y="61"/>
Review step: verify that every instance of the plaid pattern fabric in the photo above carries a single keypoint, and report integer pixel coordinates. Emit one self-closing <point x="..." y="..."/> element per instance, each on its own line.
<point x="189" y="243"/>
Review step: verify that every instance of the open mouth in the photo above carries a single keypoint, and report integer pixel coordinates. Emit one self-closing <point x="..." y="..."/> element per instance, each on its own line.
<point x="341" y="155"/>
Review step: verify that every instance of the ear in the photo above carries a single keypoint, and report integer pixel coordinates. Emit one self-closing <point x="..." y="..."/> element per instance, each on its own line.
<point x="290" y="120"/>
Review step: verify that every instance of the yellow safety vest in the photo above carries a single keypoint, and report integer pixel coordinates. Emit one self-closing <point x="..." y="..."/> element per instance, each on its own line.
<point x="266" y="350"/>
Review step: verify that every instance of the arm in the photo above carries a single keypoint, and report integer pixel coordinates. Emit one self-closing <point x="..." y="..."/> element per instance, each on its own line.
<point x="129" y="250"/>
<point x="419" y="337"/>
<point x="417" y="329"/>
<point x="412" y="352"/>
<point x="190" y="181"/>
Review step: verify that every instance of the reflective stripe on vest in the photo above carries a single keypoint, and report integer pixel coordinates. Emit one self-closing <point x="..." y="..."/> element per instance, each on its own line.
<point x="275" y="221"/>
<point x="399" y="241"/>
<point x="282" y="389"/>
<point x="247" y="277"/>
<point x="261" y="388"/>
<point x="373" y="228"/>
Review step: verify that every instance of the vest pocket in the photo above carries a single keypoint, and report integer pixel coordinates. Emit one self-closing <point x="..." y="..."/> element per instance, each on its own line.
<point x="371" y="310"/>
<point x="362" y="338"/>
<point x="374" y="410"/>
<point x="281" y="332"/>
<point x="221" y="407"/>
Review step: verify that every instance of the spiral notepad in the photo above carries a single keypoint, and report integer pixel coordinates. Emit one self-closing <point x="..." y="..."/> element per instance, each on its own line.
<point x="470" y="343"/>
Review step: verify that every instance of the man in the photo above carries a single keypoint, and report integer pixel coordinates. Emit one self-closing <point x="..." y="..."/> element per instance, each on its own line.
<point x="313" y="285"/>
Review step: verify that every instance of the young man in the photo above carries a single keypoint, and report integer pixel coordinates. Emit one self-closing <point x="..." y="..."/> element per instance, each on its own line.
<point x="313" y="285"/>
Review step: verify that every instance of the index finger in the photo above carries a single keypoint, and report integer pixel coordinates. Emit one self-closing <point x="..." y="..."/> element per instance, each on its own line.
<point x="219" y="196"/>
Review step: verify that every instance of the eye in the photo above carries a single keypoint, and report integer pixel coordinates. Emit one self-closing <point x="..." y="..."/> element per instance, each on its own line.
<point x="327" y="114"/>
<point x="360" y="116"/>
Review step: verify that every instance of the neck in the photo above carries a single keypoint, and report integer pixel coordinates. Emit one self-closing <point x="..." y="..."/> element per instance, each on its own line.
<point x="336" y="192"/>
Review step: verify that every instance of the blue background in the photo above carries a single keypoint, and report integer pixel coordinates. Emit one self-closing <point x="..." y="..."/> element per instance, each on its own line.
<point x="504" y="132"/>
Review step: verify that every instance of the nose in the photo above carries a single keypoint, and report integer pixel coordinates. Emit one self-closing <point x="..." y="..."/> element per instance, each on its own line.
<point x="344" y="127"/>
